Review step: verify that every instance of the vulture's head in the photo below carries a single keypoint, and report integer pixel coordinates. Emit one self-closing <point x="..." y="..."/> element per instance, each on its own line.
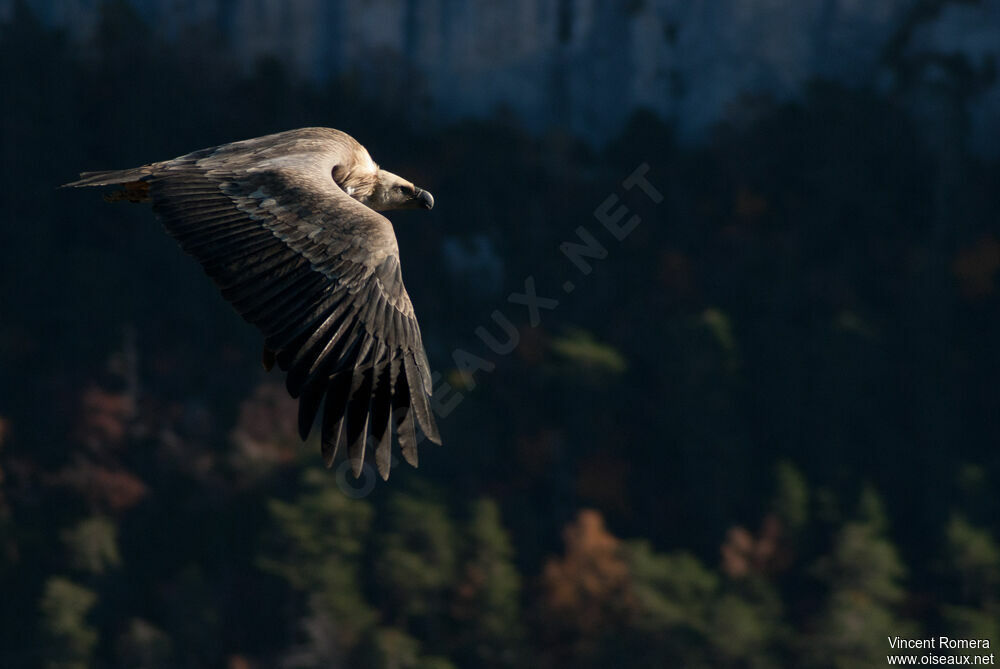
<point x="383" y="191"/>
<point x="395" y="192"/>
<point x="376" y="188"/>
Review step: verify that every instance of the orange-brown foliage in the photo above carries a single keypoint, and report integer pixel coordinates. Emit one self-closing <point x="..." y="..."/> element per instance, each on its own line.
<point x="588" y="589"/>
<point x="744" y="554"/>
<point x="114" y="489"/>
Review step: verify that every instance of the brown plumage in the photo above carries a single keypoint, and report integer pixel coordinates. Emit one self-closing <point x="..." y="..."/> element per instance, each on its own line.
<point x="287" y="227"/>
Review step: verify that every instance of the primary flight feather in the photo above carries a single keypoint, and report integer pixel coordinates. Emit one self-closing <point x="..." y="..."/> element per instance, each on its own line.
<point x="288" y="227"/>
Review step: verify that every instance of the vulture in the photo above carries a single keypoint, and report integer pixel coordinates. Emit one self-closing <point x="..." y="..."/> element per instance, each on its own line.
<point x="288" y="227"/>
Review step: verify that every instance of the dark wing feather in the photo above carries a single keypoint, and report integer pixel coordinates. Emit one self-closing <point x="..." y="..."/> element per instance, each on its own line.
<point x="316" y="271"/>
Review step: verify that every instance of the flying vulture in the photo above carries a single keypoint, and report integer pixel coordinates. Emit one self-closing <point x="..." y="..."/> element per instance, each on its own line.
<point x="288" y="227"/>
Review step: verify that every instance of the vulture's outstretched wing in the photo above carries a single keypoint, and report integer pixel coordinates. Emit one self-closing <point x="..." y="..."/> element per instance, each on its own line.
<point x="315" y="270"/>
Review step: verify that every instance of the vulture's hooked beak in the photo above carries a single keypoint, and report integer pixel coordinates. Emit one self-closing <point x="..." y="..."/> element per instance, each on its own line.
<point x="424" y="199"/>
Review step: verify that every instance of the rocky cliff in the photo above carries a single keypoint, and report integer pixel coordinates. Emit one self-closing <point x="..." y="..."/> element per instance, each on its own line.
<point x="584" y="65"/>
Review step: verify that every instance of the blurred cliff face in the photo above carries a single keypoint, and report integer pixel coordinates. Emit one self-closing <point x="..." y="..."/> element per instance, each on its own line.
<point x="582" y="65"/>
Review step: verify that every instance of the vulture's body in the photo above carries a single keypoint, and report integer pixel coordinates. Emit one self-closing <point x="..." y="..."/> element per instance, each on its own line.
<point x="288" y="227"/>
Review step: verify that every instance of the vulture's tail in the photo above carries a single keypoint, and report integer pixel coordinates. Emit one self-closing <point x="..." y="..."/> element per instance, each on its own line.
<point x="134" y="188"/>
<point x="110" y="177"/>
